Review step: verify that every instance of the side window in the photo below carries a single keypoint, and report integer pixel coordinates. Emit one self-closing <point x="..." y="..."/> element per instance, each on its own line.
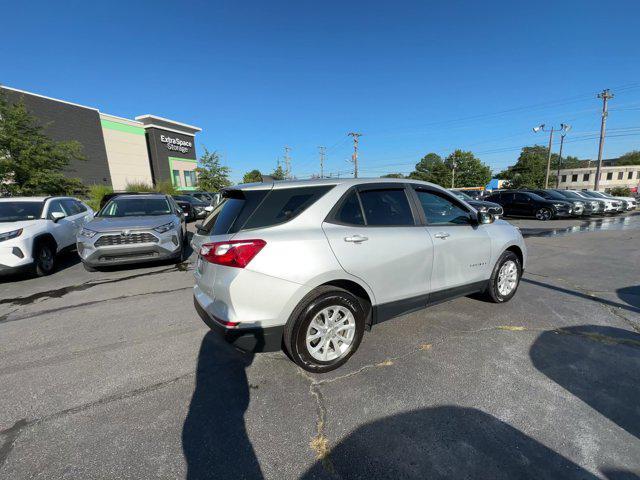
<point x="440" y="210"/>
<point x="507" y="197"/>
<point x="56" y="206"/>
<point x="350" y="211"/>
<point x="70" y="206"/>
<point x="521" y="197"/>
<point x="386" y="207"/>
<point x="80" y="206"/>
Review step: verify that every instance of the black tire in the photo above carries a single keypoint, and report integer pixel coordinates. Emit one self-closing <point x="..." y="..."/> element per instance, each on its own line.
<point x="543" y="214"/>
<point x="44" y="258"/>
<point x="493" y="293"/>
<point x="296" y="328"/>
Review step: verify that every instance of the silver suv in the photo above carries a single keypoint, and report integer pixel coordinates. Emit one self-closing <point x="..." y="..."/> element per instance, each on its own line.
<point x="311" y="265"/>
<point x="133" y="229"/>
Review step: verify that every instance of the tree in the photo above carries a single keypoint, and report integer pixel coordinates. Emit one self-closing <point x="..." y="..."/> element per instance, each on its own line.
<point x="254" y="176"/>
<point x="393" y="175"/>
<point x="629" y="158"/>
<point x="278" y="173"/>
<point x="621" y="192"/>
<point x="469" y="170"/>
<point x="431" y="168"/>
<point x="212" y="177"/>
<point x="530" y="169"/>
<point x="31" y="162"/>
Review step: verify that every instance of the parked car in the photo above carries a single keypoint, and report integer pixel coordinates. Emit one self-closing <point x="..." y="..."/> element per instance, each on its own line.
<point x="577" y="206"/>
<point x="475" y="194"/>
<point x="629" y="203"/>
<point x="610" y="206"/>
<point x="200" y="209"/>
<point x="34" y="230"/>
<point x="202" y="196"/>
<point x="480" y="205"/>
<point x="187" y="210"/>
<point x="133" y="229"/>
<point x="592" y="206"/>
<point x="526" y="204"/>
<point x="312" y="264"/>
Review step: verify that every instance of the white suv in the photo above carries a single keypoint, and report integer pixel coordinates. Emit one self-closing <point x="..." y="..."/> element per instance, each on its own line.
<point x="311" y="265"/>
<point x="33" y="230"/>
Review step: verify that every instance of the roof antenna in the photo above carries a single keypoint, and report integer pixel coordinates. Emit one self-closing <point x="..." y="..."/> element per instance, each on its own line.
<point x="267" y="179"/>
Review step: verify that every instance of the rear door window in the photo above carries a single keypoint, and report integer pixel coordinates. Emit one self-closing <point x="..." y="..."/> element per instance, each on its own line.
<point x="350" y="212"/>
<point x="386" y="207"/>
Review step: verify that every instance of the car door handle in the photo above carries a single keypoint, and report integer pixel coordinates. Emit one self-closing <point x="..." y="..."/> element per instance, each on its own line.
<point x="356" y="239"/>
<point x="441" y="235"/>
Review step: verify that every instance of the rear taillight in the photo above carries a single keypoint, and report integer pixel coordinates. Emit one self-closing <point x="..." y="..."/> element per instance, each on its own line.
<point x="233" y="253"/>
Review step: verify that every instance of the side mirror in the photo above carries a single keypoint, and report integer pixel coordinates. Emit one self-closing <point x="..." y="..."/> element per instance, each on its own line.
<point x="485" y="218"/>
<point x="57" y="216"/>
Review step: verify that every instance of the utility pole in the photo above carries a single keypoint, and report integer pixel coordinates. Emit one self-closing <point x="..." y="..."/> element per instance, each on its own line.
<point x="605" y="95"/>
<point x="564" y="128"/>
<point x="287" y="163"/>
<point x="322" y="153"/>
<point x="354" y="157"/>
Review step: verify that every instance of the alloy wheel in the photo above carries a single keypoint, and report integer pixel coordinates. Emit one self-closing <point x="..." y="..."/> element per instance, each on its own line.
<point x="507" y="277"/>
<point x="331" y="333"/>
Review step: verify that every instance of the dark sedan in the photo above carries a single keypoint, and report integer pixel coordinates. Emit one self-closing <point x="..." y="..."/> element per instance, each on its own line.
<point x="527" y="204"/>
<point x="200" y="209"/>
<point x="480" y="205"/>
<point x="578" y="207"/>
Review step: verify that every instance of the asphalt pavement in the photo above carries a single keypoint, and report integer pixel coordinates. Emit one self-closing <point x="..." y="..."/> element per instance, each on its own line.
<point x="112" y="374"/>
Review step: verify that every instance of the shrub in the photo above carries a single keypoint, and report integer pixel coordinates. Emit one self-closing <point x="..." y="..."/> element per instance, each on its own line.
<point x="138" y="187"/>
<point x="96" y="193"/>
<point x="621" y="192"/>
<point x="166" y="187"/>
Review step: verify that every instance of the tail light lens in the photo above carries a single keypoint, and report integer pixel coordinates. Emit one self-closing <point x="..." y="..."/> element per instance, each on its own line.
<point x="233" y="253"/>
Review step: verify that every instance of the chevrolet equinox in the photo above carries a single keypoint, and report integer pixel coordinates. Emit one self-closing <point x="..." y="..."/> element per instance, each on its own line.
<point x="308" y="266"/>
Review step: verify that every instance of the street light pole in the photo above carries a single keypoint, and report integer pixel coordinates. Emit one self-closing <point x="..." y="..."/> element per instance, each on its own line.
<point x="560" y="160"/>
<point x="546" y="176"/>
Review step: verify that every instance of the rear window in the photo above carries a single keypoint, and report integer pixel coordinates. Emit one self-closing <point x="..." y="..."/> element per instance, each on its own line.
<point x="245" y="209"/>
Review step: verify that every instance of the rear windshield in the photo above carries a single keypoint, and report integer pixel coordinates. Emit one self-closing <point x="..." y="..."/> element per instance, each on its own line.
<point x="132" y="207"/>
<point x="246" y="209"/>
<point x="19" y="211"/>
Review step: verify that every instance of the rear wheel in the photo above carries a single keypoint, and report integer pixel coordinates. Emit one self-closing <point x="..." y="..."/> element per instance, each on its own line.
<point x="544" y="214"/>
<point x="505" y="278"/>
<point x="45" y="260"/>
<point x="325" y="329"/>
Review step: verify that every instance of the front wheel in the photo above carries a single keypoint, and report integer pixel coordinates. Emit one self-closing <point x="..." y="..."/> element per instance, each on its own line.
<point x="45" y="260"/>
<point x="544" y="214"/>
<point x="505" y="278"/>
<point x="325" y="329"/>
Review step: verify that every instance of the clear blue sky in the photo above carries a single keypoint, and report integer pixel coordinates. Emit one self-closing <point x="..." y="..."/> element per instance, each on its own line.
<point x="258" y="75"/>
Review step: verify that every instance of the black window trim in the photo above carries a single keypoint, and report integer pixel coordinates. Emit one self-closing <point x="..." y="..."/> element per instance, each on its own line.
<point x="447" y="195"/>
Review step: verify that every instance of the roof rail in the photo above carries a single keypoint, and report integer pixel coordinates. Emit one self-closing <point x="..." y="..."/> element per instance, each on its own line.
<point x="267" y="179"/>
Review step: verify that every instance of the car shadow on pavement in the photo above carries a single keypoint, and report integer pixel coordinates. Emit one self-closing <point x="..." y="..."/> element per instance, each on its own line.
<point x="630" y="295"/>
<point x="214" y="438"/>
<point x="599" y="365"/>
<point x="443" y="442"/>
<point x="624" y="306"/>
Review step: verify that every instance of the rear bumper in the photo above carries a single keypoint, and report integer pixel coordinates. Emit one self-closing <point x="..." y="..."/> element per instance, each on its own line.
<point x="252" y="339"/>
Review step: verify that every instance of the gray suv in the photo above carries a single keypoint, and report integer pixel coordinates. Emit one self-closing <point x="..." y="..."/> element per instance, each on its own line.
<point x="133" y="229"/>
<point x="311" y="265"/>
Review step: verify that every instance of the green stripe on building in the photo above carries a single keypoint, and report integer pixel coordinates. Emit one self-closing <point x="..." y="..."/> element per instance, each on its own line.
<point x="183" y="159"/>
<point x="122" y="127"/>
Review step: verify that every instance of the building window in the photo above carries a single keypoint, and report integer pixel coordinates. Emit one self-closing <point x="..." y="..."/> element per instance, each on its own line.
<point x="609" y="175"/>
<point x="189" y="178"/>
<point x="620" y="175"/>
<point x="176" y="178"/>
<point x="629" y="175"/>
<point x="585" y="177"/>
<point x="563" y="179"/>
<point x="574" y="177"/>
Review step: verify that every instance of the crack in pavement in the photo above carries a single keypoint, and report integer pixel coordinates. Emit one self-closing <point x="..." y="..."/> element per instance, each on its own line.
<point x="60" y="292"/>
<point x="11" y="318"/>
